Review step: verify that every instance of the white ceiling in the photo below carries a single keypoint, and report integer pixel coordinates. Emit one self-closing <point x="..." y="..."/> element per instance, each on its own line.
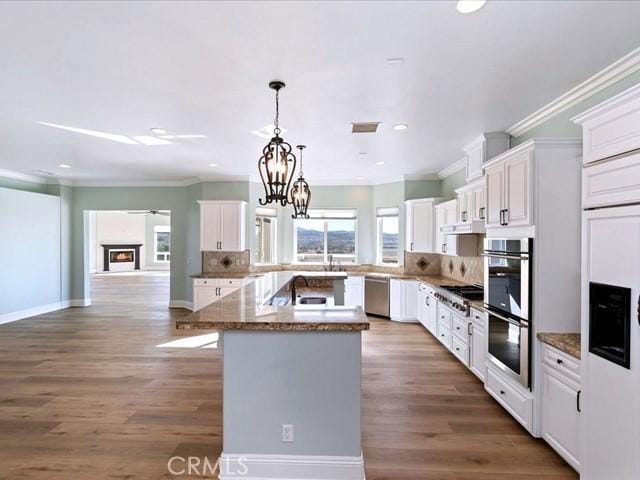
<point x="203" y="68"/>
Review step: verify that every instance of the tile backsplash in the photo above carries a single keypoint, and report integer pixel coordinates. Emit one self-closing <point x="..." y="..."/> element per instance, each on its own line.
<point x="228" y="262"/>
<point x="421" y="263"/>
<point x="465" y="269"/>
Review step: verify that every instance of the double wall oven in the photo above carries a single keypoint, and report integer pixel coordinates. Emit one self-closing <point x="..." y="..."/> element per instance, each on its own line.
<point x="507" y="297"/>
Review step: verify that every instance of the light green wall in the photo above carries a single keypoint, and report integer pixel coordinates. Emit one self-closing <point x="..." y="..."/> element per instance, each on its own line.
<point x="131" y="198"/>
<point x="422" y="189"/>
<point x="453" y="181"/>
<point x="561" y="125"/>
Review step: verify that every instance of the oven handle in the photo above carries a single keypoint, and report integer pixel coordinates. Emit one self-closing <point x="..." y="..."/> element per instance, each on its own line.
<point x="489" y="254"/>
<point x="521" y="323"/>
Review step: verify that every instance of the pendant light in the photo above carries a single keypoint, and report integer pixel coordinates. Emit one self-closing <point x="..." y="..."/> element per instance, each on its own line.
<point x="300" y="192"/>
<point x="277" y="164"/>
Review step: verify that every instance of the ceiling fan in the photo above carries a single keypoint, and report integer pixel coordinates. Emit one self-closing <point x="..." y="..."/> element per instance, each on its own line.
<point x="151" y="212"/>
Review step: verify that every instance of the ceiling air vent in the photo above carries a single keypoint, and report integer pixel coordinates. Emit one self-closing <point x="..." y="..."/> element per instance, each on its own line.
<point x="365" y="127"/>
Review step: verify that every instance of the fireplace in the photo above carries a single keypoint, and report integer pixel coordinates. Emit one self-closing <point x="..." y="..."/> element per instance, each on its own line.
<point x="121" y="257"/>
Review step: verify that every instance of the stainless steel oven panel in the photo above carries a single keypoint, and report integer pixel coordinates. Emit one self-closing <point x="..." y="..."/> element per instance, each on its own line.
<point x="518" y="249"/>
<point x="523" y="376"/>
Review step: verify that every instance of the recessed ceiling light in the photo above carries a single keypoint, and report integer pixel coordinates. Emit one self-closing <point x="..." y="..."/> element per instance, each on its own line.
<point x="395" y="61"/>
<point x="363" y="153"/>
<point x="380" y="163"/>
<point x="213" y="164"/>
<point x="359" y="178"/>
<point x="158" y="131"/>
<point x="470" y="6"/>
<point x="400" y="126"/>
<point x="64" y="165"/>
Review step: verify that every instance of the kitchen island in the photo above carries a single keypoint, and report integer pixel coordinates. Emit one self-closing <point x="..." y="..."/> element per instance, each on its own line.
<point x="291" y="381"/>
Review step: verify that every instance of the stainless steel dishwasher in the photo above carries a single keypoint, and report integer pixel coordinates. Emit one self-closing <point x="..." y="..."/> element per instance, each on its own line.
<point x="376" y="295"/>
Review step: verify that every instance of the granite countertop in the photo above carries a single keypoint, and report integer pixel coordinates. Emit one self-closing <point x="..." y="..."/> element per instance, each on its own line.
<point x="248" y="309"/>
<point x="568" y="343"/>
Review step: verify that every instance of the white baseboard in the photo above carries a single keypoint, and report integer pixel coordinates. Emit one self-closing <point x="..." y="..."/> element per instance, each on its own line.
<point x="30" y="312"/>
<point x="290" y="467"/>
<point x="82" y="302"/>
<point x="181" y="304"/>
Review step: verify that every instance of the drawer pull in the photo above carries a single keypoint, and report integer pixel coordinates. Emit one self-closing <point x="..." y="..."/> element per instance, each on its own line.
<point x="502" y="392"/>
<point x="457" y="328"/>
<point x="559" y="361"/>
<point x="457" y="349"/>
<point x="578" y="401"/>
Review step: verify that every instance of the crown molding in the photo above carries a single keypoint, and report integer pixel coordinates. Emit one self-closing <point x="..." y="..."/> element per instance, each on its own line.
<point x="618" y="70"/>
<point x="453" y="168"/>
<point x="24" y="177"/>
<point x="613" y="103"/>
<point x="538" y="144"/>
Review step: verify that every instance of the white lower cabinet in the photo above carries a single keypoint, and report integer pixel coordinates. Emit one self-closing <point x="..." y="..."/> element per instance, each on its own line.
<point x="515" y="399"/>
<point x="354" y="291"/>
<point x="478" y="353"/>
<point x="209" y="290"/>
<point x="561" y="405"/>
<point x="403" y="300"/>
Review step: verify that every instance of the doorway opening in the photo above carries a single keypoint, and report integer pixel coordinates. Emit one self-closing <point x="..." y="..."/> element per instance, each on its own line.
<point x="129" y="257"/>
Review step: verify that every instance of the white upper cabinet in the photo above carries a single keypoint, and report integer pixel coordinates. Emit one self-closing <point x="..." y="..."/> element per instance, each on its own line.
<point x="612" y="127"/>
<point x="222" y="226"/>
<point x="507" y="185"/>
<point x="421" y="224"/>
<point x="494" y="187"/>
<point x="535" y="172"/>
<point x="471" y="208"/>
<point x="483" y="149"/>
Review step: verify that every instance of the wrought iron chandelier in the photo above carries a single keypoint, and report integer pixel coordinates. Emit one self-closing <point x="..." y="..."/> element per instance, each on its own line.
<point x="277" y="164"/>
<point x="300" y="192"/>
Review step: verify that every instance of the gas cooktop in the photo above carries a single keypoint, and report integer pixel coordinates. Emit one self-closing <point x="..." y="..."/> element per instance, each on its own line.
<point x="468" y="292"/>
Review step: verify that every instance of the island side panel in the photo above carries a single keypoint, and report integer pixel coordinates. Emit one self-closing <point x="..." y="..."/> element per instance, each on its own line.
<point x="310" y="380"/>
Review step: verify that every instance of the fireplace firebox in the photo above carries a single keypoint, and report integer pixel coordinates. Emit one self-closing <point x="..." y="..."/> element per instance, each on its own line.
<point x="121" y="253"/>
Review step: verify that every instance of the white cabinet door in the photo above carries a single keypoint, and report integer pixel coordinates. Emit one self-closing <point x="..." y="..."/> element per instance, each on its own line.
<point x="420" y="235"/>
<point x="516" y="180"/>
<point x="410" y="295"/>
<point x="441" y="238"/>
<point x="479" y="204"/>
<point x="353" y="292"/>
<point x="478" y="355"/>
<point x="203" y="296"/>
<point x="432" y="314"/>
<point x="463" y="207"/>
<point x="560" y="416"/>
<point x="494" y="195"/>
<point x="395" y="299"/>
<point x="451" y="213"/>
<point x="230" y="227"/>
<point x="224" y="291"/>
<point x="421" y="306"/>
<point x="210" y="227"/>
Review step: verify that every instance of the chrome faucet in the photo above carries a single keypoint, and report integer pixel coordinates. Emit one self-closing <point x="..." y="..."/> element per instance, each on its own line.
<point x="293" y="287"/>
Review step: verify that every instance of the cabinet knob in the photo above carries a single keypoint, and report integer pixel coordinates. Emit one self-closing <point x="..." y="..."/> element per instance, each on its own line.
<point x="559" y="361"/>
<point x="502" y="392"/>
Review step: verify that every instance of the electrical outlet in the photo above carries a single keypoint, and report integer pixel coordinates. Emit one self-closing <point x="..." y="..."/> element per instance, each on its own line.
<point x="287" y="433"/>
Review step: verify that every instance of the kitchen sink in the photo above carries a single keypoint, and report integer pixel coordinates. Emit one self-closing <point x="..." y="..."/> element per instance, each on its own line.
<point x="312" y="301"/>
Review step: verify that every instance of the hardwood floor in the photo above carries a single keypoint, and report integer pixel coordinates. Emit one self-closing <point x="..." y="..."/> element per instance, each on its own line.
<point x="88" y="393"/>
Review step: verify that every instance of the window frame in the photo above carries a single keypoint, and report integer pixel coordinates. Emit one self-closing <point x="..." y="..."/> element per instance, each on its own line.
<point x="327" y="215"/>
<point x="167" y="255"/>
<point x="271" y="214"/>
<point x="381" y="214"/>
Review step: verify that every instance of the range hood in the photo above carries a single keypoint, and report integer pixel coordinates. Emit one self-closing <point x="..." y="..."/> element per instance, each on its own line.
<point x="464" y="228"/>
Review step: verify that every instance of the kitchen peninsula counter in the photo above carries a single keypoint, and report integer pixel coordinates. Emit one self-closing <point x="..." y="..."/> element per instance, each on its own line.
<point x="251" y="308"/>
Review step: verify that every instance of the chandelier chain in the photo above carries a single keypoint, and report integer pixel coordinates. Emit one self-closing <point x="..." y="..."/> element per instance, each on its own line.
<point x="276" y="121"/>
